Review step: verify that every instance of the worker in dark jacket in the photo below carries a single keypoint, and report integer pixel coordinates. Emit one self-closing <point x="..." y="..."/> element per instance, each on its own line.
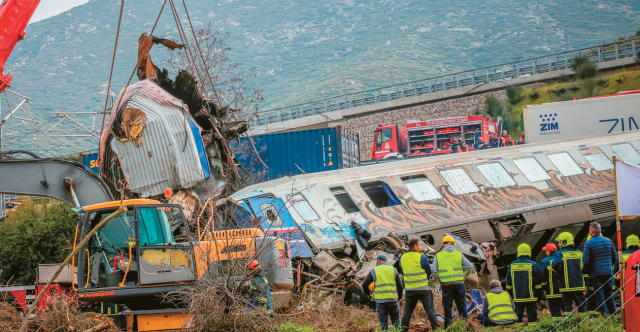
<point x="493" y="141"/>
<point x="451" y="267"/>
<point x="481" y="145"/>
<point x="572" y="284"/>
<point x="523" y="281"/>
<point x="551" y="280"/>
<point x="259" y="291"/>
<point x="598" y="259"/>
<point x="497" y="307"/>
<point x="386" y="285"/>
<point x="416" y="270"/>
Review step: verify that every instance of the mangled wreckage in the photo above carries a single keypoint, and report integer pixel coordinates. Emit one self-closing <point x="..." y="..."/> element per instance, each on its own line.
<point x="489" y="201"/>
<point x="164" y="133"/>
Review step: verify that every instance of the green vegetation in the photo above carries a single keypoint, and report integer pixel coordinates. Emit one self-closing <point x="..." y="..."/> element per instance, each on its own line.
<point x="37" y="232"/>
<point x="511" y="111"/>
<point x="583" y="67"/>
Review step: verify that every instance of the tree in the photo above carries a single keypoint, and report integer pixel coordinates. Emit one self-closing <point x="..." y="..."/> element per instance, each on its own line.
<point x="37" y="232"/>
<point x="493" y="106"/>
<point x="513" y="93"/>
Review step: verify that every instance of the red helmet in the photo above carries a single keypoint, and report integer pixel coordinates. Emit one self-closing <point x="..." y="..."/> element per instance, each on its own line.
<point x="550" y="247"/>
<point x="253" y="265"/>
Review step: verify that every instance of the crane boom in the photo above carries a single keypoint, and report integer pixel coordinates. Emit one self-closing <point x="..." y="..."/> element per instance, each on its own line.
<point x="14" y="17"/>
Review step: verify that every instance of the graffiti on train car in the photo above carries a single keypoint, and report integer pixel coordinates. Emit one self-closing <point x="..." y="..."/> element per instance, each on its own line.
<point x="488" y="200"/>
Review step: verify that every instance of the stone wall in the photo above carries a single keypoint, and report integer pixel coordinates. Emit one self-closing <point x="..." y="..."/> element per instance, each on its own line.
<point x="451" y="108"/>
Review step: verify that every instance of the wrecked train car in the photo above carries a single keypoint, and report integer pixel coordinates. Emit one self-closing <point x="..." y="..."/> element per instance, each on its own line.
<point x="499" y="197"/>
<point x="163" y="133"/>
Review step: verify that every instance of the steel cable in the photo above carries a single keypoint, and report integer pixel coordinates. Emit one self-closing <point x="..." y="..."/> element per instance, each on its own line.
<point x="113" y="61"/>
<point x="603" y="303"/>
<point x="578" y="306"/>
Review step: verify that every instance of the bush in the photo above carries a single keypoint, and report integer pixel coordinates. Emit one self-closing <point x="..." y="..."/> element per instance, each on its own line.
<point x="574" y="88"/>
<point x="513" y="93"/>
<point x="534" y="95"/>
<point x="35" y="233"/>
<point x="601" y="82"/>
<point x="583" y="67"/>
<point x="493" y="106"/>
<point x="590" y="86"/>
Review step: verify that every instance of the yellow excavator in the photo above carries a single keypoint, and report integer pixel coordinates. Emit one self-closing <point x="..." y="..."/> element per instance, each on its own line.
<point x="134" y="259"/>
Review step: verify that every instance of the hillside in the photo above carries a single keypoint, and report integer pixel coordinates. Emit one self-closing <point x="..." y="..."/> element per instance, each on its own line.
<point x="307" y="49"/>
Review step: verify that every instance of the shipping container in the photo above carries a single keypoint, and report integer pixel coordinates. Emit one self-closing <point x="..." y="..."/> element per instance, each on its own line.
<point x="297" y="152"/>
<point x="584" y="117"/>
<point x="90" y="160"/>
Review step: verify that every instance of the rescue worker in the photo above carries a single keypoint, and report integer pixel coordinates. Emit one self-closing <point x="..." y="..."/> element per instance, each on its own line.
<point x="503" y="138"/>
<point x="386" y="285"/>
<point x="481" y="145"/>
<point x="509" y="142"/>
<point x="572" y="284"/>
<point x="463" y="147"/>
<point x="551" y="280"/>
<point x="455" y="148"/>
<point x="598" y="260"/>
<point x="497" y="307"/>
<point x="493" y="141"/>
<point x="523" y="281"/>
<point x="451" y="268"/>
<point x="416" y="270"/>
<point x="632" y="245"/>
<point x="259" y="291"/>
<point x="522" y="139"/>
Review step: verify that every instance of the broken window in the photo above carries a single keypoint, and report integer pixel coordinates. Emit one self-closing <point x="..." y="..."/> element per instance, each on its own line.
<point x="459" y="181"/>
<point x="344" y="199"/>
<point x="303" y="208"/>
<point x="531" y="169"/>
<point x="627" y="153"/>
<point x="496" y="175"/>
<point x="421" y="188"/>
<point x="271" y="214"/>
<point x="599" y="161"/>
<point x="380" y="194"/>
<point x="565" y="164"/>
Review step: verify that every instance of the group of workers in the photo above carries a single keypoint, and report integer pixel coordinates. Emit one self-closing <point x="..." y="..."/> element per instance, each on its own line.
<point x="494" y="142"/>
<point x="564" y="277"/>
<point x="449" y="266"/>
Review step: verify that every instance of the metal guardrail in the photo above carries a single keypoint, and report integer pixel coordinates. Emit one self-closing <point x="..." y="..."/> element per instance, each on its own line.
<point x="501" y="72"/>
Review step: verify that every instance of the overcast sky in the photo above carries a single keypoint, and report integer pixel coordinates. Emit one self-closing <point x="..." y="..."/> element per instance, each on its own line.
<point x="50" y="8"/>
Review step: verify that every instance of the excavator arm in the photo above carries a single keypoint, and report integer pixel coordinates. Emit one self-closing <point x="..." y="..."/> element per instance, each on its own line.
<point x="14" y="17"/>
<point x="58" y="178"/>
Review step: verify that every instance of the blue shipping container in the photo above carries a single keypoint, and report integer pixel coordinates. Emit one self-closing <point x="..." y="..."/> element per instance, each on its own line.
<point x="297" y="152"/>
<point x="90" y="160"/>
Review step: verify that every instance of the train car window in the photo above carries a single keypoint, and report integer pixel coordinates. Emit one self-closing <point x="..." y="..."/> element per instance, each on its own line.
<point x="421" y="188"/>
<point x="303" y="208"/>
<point x="380" y="194"/>
<point x="459" y="181"/>
<point x="271" y="214"/>
<point x="627" y="153"/>
<point x="565" y="164"/>
<point x="496" y="175"/>
<point x="531" y="169"/>
<point x="344" y="199"/>
<point x="599" y="161"/>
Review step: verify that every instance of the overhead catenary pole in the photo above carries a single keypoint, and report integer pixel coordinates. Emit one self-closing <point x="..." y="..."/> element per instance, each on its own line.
<point x="620" y="262"/>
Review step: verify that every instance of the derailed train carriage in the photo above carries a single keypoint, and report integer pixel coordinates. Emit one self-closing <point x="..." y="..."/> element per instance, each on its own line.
<point x="499" y="198"/>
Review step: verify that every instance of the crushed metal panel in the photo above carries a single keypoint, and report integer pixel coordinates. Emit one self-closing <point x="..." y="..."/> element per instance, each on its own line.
<point x="167" y="156"/>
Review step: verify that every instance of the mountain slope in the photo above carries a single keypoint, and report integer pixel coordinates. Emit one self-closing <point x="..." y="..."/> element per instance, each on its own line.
<point x="305" y="50"/>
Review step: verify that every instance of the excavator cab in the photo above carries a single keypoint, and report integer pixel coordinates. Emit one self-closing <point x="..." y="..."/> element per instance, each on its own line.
<point x="131" y="252"/>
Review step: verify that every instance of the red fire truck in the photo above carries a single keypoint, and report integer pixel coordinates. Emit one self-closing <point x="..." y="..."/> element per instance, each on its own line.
<point x="426" y="138"/>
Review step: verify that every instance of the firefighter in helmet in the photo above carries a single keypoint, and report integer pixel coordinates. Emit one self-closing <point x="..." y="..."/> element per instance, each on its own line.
<point x="259" y="292"/>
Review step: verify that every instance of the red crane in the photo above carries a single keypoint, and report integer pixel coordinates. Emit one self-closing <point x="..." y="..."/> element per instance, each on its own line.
<point x="14" y="17"/>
